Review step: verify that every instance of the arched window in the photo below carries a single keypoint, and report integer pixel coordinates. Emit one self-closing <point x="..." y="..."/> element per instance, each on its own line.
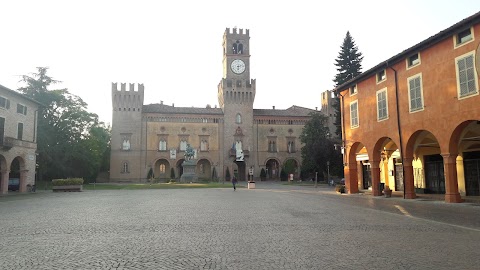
<point x="162" y="168"/>
<point x="125" y="167"/>
<point x="237" y="48"/>
<point x="204" y="145"/>
<point x="238" y="119"/>
<point x="162" y="145"/>
<point x="183" y="145"/>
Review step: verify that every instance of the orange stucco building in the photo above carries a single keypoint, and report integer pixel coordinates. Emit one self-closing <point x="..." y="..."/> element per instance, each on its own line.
<point x="412" y="122"/>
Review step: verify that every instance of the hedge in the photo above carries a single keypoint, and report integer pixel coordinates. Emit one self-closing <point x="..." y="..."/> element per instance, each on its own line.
<point x="67" y="182"/>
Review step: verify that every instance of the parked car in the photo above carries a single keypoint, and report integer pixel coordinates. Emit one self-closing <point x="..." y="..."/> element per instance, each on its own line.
<point x="13" y="184"/>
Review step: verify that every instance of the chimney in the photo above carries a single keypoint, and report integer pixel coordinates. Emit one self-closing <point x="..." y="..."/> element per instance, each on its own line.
<point x="316" y="108"/>
<point x="273" y="107"/>
<point x="161" y="102"/>
<point x="173" y="104"/>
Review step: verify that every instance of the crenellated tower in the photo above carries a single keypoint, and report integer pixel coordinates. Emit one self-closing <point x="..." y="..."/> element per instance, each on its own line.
<point x="236" y="94"/>
<point x="126" y="140"/>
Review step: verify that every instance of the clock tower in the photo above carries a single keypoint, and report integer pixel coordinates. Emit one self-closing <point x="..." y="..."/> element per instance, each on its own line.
<point x="236" y="94"/>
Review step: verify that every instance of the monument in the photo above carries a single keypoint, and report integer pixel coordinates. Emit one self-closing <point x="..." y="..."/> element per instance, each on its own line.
<point x="189" y="165"/>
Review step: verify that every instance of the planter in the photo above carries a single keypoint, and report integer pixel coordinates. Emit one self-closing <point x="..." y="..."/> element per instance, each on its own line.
<point x="69" y="188"/>
<point x="388" y="193"/>
<point x="251" y="185"/>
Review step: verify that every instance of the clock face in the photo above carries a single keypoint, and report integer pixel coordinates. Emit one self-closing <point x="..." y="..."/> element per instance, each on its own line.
<point x="238" y="66"/>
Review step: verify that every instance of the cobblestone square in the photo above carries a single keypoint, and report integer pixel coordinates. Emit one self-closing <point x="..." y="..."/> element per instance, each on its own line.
<point x="271" y="227"/>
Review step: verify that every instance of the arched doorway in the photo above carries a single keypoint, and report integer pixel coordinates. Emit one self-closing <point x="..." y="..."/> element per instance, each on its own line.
<point x="162" y="169"/>
<point x="240" y="170"/>
<point x="204" y="169"/>
<point x="273" y="169"/>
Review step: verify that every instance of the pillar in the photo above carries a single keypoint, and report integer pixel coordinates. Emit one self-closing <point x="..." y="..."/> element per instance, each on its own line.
<point x="375" y="177"/>
<point x="4" y="181"/>
<point x="408" y="177"/>
<point x="23" y="181"/>
<point x="451" y="183"/>
<point x="351" y="178"/>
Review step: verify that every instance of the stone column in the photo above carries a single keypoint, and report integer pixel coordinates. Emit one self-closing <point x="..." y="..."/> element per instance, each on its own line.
<point x="451" y="183"/>
<point x="351" y="178"/>
<point x="4" y="182"/>
<point x="408" y="178"/>
<point x="375" y="178"/>
<point x="23" y="181"/>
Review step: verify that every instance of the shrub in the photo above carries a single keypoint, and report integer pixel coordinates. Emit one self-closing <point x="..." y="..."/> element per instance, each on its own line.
<point x="263" y="174"/>
<point x="172" y="181"/>
<point x="67" y="182"/>
<point x="150" y="174"/>
<point x="283" y="175"/>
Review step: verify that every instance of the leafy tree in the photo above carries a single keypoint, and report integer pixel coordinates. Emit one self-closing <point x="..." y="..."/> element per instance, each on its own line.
<point x="263" y="174"/>
<point x="349" y="66"/>
<point x="318" y="148"/>
<point x="290" y="166"/>
<point x="70" y="141"/>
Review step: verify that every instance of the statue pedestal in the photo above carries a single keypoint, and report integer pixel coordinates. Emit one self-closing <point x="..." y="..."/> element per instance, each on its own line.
<point x="189" y="174"/>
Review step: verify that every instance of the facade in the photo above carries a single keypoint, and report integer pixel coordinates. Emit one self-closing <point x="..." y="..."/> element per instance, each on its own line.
<point x="18" y="140"/>
<point x="412" y="123"/>
<point x="233" y="136"/>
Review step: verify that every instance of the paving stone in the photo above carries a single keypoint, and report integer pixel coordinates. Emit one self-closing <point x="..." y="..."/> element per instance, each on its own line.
<point x="271" y="227"/>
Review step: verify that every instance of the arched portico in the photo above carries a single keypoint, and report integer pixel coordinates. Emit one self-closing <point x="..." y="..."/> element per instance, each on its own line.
<point x="389" y="169"/>
<point x="162" y="169"/>
<point x="18" y="173"/>
<point x="357" y="152"/>
<point x="424" y="164"/>
<point x="272" y="166"/>
<point x="204" y="168"/>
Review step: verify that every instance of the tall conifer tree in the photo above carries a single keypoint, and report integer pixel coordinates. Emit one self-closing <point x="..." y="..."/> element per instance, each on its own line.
<point x="349" y="66"/>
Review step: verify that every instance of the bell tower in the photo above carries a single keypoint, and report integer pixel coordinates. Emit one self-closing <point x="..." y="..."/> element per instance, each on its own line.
<point x="236" y="94"/>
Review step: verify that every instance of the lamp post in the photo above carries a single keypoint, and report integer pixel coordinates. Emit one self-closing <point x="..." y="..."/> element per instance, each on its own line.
<point x="328" y="172"/>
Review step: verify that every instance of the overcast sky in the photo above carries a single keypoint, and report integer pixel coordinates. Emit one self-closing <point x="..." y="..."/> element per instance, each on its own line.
<point x="175" y="47"/>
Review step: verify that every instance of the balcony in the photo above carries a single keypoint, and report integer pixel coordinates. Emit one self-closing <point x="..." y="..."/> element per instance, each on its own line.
<point x="9" y="142"/>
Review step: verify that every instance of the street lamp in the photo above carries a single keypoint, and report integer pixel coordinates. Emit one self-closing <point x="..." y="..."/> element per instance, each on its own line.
<point x="328" y="172"/>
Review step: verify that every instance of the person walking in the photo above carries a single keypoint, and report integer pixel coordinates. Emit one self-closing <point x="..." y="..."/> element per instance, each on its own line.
<point x="234" y="183"/>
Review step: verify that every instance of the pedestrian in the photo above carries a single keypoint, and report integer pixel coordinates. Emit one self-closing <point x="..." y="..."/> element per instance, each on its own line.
<point x="234" y="183"/>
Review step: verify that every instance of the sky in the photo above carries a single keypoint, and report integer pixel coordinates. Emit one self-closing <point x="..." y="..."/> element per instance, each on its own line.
<point x="175" y="47"/>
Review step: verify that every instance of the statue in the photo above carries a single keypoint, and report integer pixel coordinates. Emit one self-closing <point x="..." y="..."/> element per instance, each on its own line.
<point x="126" y="144"/>
<point x="189" y="153"/>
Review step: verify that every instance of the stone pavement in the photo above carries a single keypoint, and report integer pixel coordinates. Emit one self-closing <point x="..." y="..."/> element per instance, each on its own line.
<point x="272" y="227"/>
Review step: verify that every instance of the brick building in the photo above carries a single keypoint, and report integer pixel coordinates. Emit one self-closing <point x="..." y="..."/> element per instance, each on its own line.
<point x="18" y="140"/>
<point x="412" y="122"/>
<point x="233" y="136"/>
